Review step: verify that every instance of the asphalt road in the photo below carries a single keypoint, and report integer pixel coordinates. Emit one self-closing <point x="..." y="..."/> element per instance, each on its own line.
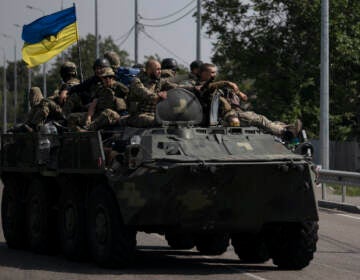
<point x="337" y="257"/>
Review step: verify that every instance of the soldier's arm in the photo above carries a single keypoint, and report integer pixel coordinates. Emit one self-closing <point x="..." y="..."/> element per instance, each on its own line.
<point x="233" y="86"/>
<point x="91" y="111"/>
<point x="139" y="91"/>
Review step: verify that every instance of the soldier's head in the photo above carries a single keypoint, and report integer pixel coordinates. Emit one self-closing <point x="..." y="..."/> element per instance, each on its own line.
<point x="108" y="77"/>
<point x="169" y="63"/>
<point x="195" y="67"/>
<point x="35" y="96"/>
<point x="68" y="70"/>
<point x="153" y="69"/>
<point x="207" y="71"/>
<point x="99" y="65"/>
<point x="113" y="58"/>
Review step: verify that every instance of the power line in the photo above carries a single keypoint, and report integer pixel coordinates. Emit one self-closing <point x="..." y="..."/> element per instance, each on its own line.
<point x="171" y="22"/>
<point x="165" y="48"/>
<point x="169" y="15"/>
<point x="127" y="36"/>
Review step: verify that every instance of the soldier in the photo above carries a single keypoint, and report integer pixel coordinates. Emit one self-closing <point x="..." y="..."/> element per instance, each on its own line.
<point x="145" y="92"/>
<point x="80" y="96"/>
<point x="42" y="110"/>
<point x="169" y="67"/>
<point x="230" y="109"/>
<point x="114" y="60"/>
<point x="69" y="78"/>
<point x="192" y="78"/>
<point x="106" y="108"/>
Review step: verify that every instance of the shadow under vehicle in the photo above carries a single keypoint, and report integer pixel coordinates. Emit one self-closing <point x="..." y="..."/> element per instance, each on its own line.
<point x="87" y="194"/>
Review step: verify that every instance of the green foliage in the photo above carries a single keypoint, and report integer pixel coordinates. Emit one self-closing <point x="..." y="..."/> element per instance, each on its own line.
<point x="276" y="45"/>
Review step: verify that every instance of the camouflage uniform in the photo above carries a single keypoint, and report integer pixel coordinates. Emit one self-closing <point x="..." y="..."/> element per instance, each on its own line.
<point x="110" y="106"/>
<point x="42" y="109"/>
<point x="66" y="85"/>
<point x="81" y="95"/>
<point x="143" y="96"/>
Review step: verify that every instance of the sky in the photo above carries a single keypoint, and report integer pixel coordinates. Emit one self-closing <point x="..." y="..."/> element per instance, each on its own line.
<point x="116" y="17"/>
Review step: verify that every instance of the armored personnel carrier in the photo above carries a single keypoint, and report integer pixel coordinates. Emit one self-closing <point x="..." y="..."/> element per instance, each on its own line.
<point x="88" y="194"/>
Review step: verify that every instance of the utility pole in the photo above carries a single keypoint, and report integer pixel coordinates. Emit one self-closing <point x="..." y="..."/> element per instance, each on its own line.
<point x="15" y="77"/>
<point x="324" y="89"/>
<point x="4" y="128"/>
<point x="198" y="31"/>
<point x="96" y="29"/>
<point x="44" y="64"/>
<point x="136" y="33"/>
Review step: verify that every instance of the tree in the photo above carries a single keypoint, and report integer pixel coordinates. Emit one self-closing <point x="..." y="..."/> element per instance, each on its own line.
<point x="274" y="45"/>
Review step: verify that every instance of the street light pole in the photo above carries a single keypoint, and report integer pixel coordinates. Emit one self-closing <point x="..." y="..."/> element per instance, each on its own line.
<point x="136" y="33"/>
<point x="4" y="95"/>
<point x="44" y="64"/>
<point x="96" y="30"/>
<point x="198" y="31"/>
<point x="15" y="78"/>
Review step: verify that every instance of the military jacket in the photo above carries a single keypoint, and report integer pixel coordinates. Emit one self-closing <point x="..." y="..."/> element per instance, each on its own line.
<point x="144" y="90"/>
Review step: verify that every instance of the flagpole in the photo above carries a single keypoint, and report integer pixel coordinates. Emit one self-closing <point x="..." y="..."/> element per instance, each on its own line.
<point x="78" y="47"/>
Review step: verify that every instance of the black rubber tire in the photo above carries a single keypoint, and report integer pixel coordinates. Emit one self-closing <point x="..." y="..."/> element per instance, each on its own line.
<point x="111" y="243"/>
<point x="13" y="213"/>
<point x="41" y="226"/>
<point x="292" y="245"/>
<point x="212" y="243"/>
<point x="250" y="247"/>
<point x="72" y="223"/>
<point x="180" y="241"/>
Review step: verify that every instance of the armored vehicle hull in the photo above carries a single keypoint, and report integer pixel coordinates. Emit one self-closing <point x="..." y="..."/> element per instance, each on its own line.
<point x="89" y="193"/>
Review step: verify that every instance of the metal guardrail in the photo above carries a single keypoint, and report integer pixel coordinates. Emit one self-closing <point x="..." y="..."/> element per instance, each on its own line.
<point x="343" y="178"/>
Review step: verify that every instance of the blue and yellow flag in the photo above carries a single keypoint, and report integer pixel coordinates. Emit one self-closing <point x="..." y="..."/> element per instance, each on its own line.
<point x="48" y="36"/>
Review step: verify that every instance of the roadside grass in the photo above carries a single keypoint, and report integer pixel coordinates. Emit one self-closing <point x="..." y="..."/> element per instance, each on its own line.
<point x="350" y="191"/>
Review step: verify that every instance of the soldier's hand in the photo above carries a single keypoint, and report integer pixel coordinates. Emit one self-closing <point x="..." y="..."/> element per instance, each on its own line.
<point x="162" y="94"/>
<point x="243" y="96"/>
<point x="88" y="120"/>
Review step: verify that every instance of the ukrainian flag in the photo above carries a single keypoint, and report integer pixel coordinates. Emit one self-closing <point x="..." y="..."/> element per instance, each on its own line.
<point x="48" y="36"/>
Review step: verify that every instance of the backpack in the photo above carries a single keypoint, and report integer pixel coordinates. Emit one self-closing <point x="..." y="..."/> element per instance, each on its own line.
<point x="126" y="74"/>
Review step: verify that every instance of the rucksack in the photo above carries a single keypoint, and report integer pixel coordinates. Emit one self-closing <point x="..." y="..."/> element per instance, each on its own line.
<point x="126" y="74"/>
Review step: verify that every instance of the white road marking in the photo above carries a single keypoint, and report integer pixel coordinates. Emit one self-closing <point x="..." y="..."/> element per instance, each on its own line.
<point x="349" y="216"/>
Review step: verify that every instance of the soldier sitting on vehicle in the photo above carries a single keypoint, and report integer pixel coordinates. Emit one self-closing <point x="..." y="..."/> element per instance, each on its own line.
<point x="80" y="96"/>
<point x="169" y="67"/>
<point x="230" y="110"/>
<point x="145" y="92"/>
<point x="42" y="110"/>
<point x="69" y="78"/>
<point x="105" y="109"/>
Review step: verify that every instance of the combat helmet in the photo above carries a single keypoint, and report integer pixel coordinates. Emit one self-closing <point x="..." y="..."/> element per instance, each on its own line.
<point x="67" y="69"/>
<point x="169" y="63"/>
<point x="101" y="62"/>
<point x="113" y="58"/>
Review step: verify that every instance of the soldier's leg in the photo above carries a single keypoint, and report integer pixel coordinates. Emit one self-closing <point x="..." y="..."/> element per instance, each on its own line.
<point x="106" y="118"/>
<point x="75" y="120"/>
<point x="261" y="121"/>
<point x="39" y="117"/>
<point x="142" y="120"/>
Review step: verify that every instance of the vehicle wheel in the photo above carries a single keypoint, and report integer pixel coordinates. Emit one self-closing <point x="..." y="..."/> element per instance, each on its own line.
<point x="292" y="245"/>
<point x="111" y="243"/>
<point x="250" y="247"/>
<point x="40" y="218"/>
<point x="72" y="224"/>
<point x="181" y="241"/>
<point x="212" y="244"/>
<point x="13" y="214"/>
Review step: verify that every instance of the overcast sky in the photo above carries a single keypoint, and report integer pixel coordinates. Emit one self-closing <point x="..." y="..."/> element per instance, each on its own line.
<point x="116" y="17"/>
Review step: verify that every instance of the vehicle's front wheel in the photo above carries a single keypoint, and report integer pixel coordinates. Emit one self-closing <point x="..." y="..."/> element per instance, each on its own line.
<point x="212" y="243"/>
<point x="292" y="245"/>
<point x="111" y="243"/>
